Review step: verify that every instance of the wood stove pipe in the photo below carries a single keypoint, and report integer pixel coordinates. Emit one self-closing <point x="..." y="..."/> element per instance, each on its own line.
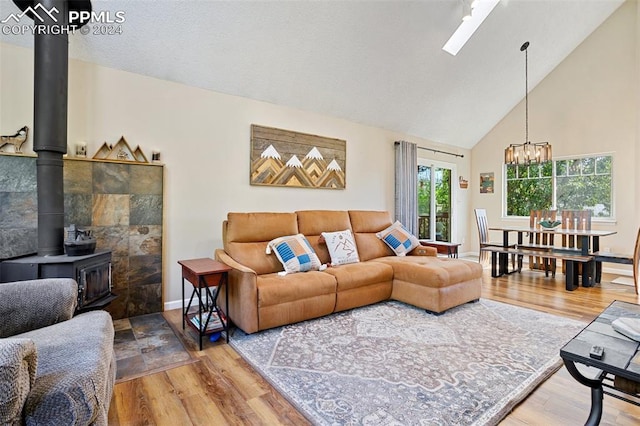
<point x="51" y="67"/>
<point x="51" y="70"/>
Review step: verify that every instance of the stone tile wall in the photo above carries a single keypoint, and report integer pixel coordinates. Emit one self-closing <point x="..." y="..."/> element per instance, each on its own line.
<point x="120" y="203"/>
<point x="18" y="206"/>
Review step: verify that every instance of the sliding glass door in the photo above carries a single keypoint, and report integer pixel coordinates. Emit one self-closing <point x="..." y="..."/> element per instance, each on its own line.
<point x="434" y="200"/>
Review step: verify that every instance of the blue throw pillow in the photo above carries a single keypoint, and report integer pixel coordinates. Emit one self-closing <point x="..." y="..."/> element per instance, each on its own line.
<point x="398" y="239"/>
<point x="295" y="253"/>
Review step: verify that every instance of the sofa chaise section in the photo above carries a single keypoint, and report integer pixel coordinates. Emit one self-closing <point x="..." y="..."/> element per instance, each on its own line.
<point x="434" y="283"/>
<point x="426" y="281"/>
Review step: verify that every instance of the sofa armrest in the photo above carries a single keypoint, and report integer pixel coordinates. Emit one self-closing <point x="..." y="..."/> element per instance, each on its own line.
<point x="18" y="364"/>
<point x="76" y="366"/>
<point x="424" y="251"/>
<point x="222" y="256"/>
<point x="243" y="294"/>
<point x="29" y="305"/>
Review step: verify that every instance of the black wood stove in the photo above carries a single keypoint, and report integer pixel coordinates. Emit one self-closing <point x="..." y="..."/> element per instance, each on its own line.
<point x="51" y="66"/>
<point x="92" y="273"/>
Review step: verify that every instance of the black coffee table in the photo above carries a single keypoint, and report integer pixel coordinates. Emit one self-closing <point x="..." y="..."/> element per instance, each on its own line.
<point x="621" y="360"/>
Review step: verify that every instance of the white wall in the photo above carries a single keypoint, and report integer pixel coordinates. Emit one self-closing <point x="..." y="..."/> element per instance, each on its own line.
<point x="204" y="139"/>
<point x="588" y="104"/>
<point x="637" y="182"/>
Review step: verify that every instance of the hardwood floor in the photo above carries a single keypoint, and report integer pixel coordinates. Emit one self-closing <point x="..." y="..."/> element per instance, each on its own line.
<point x="220" y="388"/>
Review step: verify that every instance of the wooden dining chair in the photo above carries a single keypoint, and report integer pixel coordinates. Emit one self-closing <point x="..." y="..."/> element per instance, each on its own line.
<point x="483" y="237"/>
<point x="574" y="220"/>
<point x="622" y="258"/>
<point x="541" y="240"/>
<point x="636" y="261"/>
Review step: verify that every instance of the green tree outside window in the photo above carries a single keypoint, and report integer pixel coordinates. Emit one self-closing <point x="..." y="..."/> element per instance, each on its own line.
<point x="580" y="183"/>
<point x="529" y="188"/>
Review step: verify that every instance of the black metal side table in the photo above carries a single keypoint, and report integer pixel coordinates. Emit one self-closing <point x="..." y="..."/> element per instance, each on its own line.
<point x="208" y="277"/>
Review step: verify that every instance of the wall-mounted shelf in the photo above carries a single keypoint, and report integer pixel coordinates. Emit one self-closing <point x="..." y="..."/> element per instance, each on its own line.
<point x="121" y="151"/>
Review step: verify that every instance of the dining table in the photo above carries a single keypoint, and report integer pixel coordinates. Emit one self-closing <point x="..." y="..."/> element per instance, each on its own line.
<point x="589" y="243"/>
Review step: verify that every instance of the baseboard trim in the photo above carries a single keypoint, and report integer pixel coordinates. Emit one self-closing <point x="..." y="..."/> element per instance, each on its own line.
<point x="615" y="271"/>
<point x="175" y="304"/>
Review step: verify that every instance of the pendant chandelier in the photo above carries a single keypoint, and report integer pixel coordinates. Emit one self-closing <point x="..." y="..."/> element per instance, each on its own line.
<point x="527" y="152"/>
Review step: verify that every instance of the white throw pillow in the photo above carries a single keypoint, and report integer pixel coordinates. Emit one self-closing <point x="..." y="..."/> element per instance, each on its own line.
<point x="398" y="239"/>
<point x="342" y="247"/>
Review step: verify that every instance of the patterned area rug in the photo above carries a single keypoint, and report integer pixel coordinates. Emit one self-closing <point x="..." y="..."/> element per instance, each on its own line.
<point x="393" y="364"/>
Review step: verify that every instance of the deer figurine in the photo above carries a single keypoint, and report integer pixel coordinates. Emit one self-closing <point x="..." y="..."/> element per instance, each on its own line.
<point x="16" y="140"/>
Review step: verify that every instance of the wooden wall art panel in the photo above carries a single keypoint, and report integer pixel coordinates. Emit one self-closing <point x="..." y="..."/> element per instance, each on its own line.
<point x="293" y="159"/>
<point x="121" y="151"/>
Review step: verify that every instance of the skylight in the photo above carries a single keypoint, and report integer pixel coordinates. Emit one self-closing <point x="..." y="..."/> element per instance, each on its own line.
<point x="481" y="9"/>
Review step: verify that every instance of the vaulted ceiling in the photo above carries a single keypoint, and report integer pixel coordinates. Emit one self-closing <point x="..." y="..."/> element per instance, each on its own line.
<point x="378" y="63"/>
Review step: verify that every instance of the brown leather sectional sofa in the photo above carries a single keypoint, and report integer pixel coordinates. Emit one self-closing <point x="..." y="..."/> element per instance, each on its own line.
<point x="260" y="298"/>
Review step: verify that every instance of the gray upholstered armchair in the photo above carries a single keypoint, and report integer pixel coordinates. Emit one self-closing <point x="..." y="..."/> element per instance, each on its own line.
<point x="54" y="368"/>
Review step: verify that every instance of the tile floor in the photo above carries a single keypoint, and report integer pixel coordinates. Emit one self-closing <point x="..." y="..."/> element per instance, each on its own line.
<point x="145" y="343"/>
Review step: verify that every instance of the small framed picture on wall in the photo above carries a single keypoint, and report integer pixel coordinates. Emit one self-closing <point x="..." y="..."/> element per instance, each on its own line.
<point x="486" y="183"/>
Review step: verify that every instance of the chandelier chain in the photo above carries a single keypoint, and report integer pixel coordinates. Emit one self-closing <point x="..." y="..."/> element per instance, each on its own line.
<point x="526" y="93"/>
<point x="527" y="152"/>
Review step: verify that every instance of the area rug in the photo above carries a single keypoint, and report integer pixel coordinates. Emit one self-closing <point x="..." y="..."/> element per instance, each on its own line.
<point x="144" y="344"/>
<point x="394" y="364"/>
<point x="623" y="281"/>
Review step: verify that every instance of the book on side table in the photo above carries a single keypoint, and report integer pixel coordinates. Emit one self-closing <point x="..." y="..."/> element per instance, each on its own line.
<point x="214" y="322"/>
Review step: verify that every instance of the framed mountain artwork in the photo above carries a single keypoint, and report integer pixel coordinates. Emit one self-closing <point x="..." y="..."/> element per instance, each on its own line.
<point x="293" y="159"/>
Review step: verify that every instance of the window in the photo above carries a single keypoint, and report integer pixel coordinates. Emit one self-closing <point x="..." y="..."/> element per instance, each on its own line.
<point x="529" y="188"/>
<point x="579" y="183"/>
<point x="585" y="183"/>
<point x="435" y="196"/>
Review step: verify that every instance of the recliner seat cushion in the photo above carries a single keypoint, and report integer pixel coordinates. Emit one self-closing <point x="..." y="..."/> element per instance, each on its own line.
<point x="355" y="275"/>
<point x="274" y="289"/>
